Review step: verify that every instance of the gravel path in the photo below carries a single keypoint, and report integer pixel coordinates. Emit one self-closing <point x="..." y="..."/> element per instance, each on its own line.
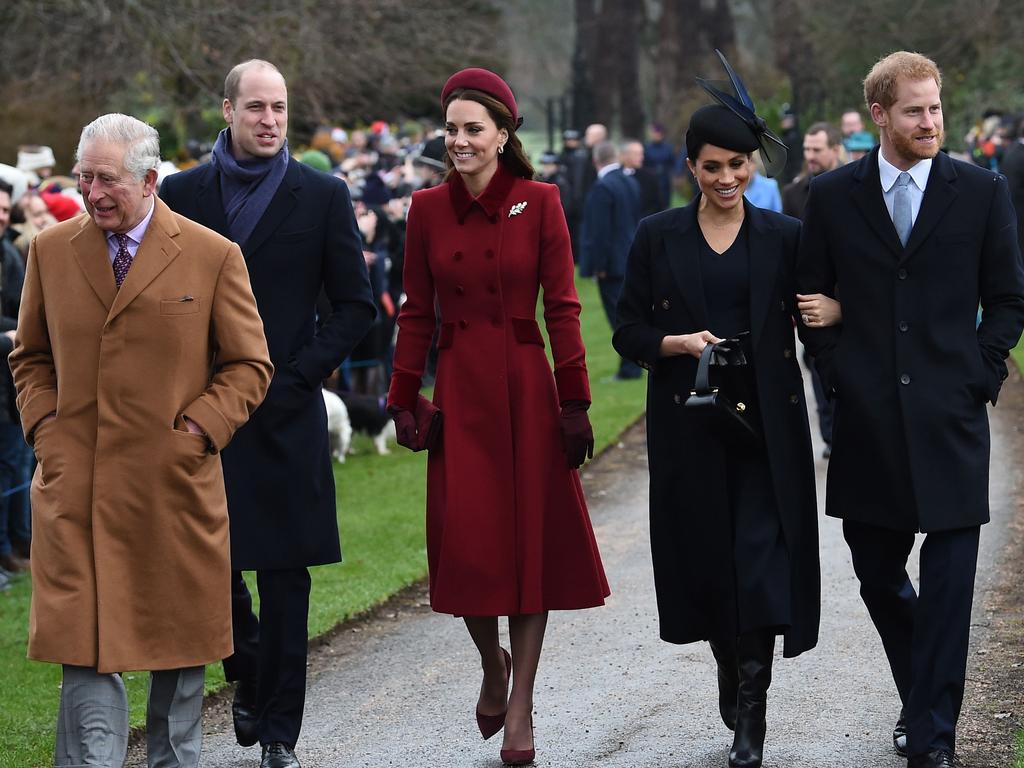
<point x="400" y="689"/>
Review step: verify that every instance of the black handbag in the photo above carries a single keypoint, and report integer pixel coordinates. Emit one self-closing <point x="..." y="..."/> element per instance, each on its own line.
<point x="703" y="395"/>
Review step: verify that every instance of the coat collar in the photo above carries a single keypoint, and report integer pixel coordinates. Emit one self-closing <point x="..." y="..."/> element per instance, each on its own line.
<point x="939" y="194"/>
<point x="157" y="250"/>
<point x="490" y="200"/>
<point x="211" y="206"/>
<point x="683" y="248"/>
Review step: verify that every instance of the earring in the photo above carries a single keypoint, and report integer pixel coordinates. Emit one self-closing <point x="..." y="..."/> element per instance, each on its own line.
<point x="501" y="148"/>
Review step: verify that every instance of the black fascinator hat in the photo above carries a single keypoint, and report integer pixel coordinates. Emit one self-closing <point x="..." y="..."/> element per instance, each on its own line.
<point x="741" y="111"/>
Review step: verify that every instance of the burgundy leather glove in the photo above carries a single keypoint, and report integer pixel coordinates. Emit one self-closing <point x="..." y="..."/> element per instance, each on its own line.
<point x="405" y="427"/>
<point x="577" y="434"/>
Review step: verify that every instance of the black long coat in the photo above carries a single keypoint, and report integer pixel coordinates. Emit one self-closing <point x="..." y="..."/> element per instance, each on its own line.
<point x="908" y="369"/>
<point x="690" y="535"/>
<point x="277" y="469"/>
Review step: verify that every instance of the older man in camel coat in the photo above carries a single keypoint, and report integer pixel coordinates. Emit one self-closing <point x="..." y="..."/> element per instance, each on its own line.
<point x="139" y="352"/>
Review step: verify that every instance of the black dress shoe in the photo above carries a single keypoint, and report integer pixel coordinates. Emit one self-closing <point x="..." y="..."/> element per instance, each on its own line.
<point x="243" y="712"/>
<point x="939" y="758"/>
<point x="278" y="755"/>
<point x="899" y="736"/>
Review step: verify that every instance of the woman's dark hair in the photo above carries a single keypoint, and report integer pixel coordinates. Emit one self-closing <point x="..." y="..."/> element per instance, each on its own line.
<point x="514" y="157"/>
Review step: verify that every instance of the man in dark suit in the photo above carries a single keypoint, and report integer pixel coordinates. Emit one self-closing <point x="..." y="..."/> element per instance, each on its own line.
<point x="299" y="236"/>
<point x="631" y="157"/>
<point x="914" y="241"/>
<point x="610" y="218"/>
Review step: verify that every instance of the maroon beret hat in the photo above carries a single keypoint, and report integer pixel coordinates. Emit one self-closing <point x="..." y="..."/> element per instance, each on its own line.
<point x="483" y="80"/>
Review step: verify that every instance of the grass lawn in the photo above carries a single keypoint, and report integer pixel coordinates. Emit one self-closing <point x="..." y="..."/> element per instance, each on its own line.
<point x="380" y="512"/>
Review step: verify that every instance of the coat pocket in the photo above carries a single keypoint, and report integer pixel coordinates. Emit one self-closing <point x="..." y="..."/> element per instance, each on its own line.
<point x="446" y="335"/>
<point x="527" y="331"/>
<point x="185" y="305"/>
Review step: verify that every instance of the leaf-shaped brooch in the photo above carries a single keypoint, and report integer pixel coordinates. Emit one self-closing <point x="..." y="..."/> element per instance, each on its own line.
<point x="516" y="209"/>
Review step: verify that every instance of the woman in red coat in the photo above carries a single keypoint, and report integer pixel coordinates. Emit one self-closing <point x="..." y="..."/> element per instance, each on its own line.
<point x="508" y="532"/>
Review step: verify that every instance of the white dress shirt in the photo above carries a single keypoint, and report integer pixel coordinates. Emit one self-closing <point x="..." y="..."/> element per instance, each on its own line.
<point x="888" y="174"/>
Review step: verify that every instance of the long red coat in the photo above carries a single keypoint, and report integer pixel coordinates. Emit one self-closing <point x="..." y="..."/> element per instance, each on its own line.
<point x="507" y="525"/>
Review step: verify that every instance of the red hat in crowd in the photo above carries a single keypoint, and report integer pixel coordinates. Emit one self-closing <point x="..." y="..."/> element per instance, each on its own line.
<point x="61" y="206"/>
<point x="483" y="80"/>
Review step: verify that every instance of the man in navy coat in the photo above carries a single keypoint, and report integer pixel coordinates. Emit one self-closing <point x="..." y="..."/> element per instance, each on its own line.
<point x="299" y="236"/>
<point x="912" y="242"/>
<point x="610" y="217"/>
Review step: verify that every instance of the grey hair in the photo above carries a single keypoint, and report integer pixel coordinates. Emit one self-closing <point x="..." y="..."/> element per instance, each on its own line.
<point x="142" y="141"/>
<point x="605" y="152"/>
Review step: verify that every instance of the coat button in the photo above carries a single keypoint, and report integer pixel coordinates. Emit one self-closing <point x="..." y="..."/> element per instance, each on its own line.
<point x="458" y="255"/>
<point x="905" y="378"/>
<point x="463" y="324"/>
<point x="489" y="253"/>
<point x="782" y="305"/>
<point x="459" y="290"/>
<point x="794" y="399"/>
<point x="903" y="326"/>
<point x="496" y="322"/>
<point x="676" y="399"/>
<point x="787" y="353"/>
<point x="665" y="304"/>
<point x="492" y="288"/>
<point x="901" y="274"/>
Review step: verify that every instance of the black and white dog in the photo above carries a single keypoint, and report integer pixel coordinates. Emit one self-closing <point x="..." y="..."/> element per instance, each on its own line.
<point x="353" y="412"/>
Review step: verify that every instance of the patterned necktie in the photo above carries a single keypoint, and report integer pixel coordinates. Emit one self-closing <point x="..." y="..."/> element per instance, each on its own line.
<point x="901" y="217"/>
<point x="123" y="259"/>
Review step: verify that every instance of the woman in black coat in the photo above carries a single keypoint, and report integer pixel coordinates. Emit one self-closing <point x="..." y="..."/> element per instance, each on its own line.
<point x="733" y="517"/>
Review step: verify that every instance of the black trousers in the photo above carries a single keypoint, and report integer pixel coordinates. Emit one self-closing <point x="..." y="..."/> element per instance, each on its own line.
<point x="272" y="650"/>
<point x="925" y="635"/>
<point x="824" y="405"/>
<point x="609" y="289"/>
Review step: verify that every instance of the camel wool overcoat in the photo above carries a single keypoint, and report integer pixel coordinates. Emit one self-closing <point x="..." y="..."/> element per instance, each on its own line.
<point x="130" y="552"/>
<point x="507" y="525"/>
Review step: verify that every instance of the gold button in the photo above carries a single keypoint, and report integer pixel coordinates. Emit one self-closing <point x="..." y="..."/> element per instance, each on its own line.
<point x="787" y="353"/>
<point x="665" y="304"/>
<point x="794" y="399"/>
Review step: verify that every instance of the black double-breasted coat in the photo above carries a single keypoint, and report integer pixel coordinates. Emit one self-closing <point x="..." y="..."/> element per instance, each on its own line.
<point x="277" y="470"/>
<point x="910" y="369"/>
<point x="690" y="530"/>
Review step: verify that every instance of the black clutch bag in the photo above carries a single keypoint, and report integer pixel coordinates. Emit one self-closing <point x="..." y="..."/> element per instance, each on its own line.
<point x="703" y="395"/>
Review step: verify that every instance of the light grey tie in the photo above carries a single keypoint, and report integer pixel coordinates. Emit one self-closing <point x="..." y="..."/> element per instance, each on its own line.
<point x="901" y="217"/>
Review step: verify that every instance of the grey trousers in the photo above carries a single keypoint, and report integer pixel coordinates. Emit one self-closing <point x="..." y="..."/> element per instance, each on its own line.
<point x="92" y="724"/>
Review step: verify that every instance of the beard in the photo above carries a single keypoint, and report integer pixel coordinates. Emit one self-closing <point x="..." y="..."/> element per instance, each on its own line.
<point x="908" y="149"/>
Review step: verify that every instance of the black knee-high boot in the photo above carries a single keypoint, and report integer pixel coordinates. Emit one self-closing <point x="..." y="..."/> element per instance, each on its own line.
<point x="728" y="680"/>
<point x="754" y="651"/>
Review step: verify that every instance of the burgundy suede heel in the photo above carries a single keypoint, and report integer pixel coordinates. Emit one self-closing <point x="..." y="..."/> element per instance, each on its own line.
<point x="519" y="756"/>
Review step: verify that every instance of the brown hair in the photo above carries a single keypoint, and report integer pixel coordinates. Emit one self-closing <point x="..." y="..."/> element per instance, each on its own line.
<point x="832" y="134"/>
<point x="234" y="79"/>
<point x="880" y="84"/>
<point x="514" y="157"/>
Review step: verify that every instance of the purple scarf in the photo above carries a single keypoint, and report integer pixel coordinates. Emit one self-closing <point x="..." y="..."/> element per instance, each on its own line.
<point x="246" y="187"/>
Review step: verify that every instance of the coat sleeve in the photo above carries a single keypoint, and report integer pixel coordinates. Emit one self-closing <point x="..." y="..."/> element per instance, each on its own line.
<point x="635" y="336"/>
<point x="561" y="304"/>
<point x="816" y="273"/>
<point x="346" y="284"/>
<point x="1001" y="284"/>
<point x="417" y="318"/>
<point x="242" y="367"/>
<point x="597" y="233"/>
<point x="35" y="376"/>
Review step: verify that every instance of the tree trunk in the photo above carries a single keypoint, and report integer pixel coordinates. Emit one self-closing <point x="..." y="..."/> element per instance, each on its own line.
<point x="628" y="19"/>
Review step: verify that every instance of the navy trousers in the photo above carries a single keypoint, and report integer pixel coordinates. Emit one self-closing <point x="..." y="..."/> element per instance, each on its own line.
<point x="925" y="635"/>
<point x="271" y="650"/>
<point x="610" y="288"/>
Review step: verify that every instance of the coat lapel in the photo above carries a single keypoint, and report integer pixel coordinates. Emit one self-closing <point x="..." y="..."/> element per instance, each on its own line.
<point x="210" y="204"/>
<point x="682" y="246"/>
<point x="156" y="251"/>
<point x="281" y="205"/>
<point x="867" y="195"/>
<point x="938" y="196"/>
<point x="765" y="248"/>
<point x="90" y="248"/>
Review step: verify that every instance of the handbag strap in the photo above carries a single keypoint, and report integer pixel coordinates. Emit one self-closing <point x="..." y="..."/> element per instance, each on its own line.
<point x="700" y="384"/>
